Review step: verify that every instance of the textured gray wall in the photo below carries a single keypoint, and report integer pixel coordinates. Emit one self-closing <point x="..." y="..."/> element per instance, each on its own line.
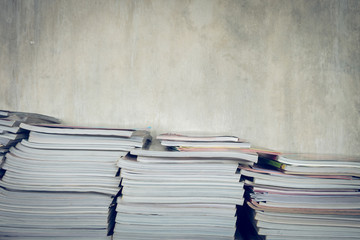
<point x="282" y="74"/>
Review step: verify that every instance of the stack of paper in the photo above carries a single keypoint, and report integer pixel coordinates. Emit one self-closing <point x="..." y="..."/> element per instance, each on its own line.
<point x="180" y="194"/>
<point x="305" y="197"/>
<point x="11" y="133"/>
<point x="61" y="182"/>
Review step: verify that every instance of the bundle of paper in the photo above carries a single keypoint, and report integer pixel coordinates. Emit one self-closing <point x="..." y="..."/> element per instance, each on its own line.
<point x="179" y="194"/>
<point x="11" y="133"/>
<point x="320" y="200"/>
<point x="61" y="182"/>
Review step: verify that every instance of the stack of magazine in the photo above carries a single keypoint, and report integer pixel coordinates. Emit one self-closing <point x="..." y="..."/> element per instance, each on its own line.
<point x="304" y="196"/>
<point x="60" y="183"/>
<point x="11" y="133"/>
<point x="169" y="192"/>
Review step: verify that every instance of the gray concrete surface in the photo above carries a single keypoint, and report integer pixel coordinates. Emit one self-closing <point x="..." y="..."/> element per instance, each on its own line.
<point x="282" y="74"/>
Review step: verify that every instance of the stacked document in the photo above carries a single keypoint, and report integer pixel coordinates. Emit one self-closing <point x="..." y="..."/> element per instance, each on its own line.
<point x="11" y="133"/>
<point x="180" y="194"/>
<point x="302" y="196"/>
<point x="61" y="182"/>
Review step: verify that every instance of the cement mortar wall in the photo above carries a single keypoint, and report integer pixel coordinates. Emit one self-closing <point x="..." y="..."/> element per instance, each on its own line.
<point x="282" y="74"/>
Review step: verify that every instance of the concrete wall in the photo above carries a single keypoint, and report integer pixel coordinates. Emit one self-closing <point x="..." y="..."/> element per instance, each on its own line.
<point x="282" y="74"/>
